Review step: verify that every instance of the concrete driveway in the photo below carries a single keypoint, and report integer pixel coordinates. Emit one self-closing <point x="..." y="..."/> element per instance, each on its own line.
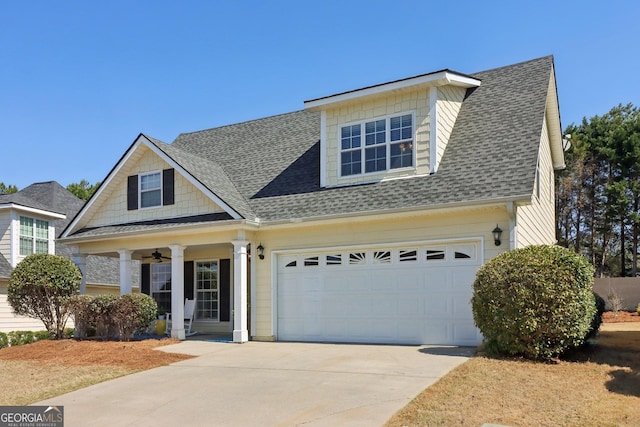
<point x="265" y="384"/>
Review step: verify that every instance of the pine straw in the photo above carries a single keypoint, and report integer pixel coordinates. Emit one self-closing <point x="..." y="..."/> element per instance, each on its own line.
<point x="597" y="387"/>
<point x="41" y="370"/>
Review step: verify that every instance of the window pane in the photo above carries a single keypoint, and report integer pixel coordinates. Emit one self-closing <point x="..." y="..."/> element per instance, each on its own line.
<point x="150" y="198"/>
<point x="150" y="182"/>
<point x="375" y="132"/>
<point x="42" y="246"/>
<point x="26" y="226"/>
<point x="350" y="137"/>
<point x="402" y="155"/>
<point x="401" y="127"/>
<point x="207" y="290"/>
<point x="375" y="159"/>
<point x="351" y="163"/>
<point x="26" y="246"/>
<point x="42" y="229"/>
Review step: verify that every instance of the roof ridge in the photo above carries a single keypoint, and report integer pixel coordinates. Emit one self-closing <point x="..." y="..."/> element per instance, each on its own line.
<point x="259" y="119"/>
<point x="514" y="65"/>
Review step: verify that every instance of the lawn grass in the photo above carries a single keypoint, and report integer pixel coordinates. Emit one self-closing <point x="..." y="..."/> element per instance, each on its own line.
<point x="34" y="372"/>
<point x="597" y="387"/>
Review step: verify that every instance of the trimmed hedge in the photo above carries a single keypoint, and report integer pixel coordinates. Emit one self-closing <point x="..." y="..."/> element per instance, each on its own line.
<point x="535" y="302"/>
<point x="110" y="316"/>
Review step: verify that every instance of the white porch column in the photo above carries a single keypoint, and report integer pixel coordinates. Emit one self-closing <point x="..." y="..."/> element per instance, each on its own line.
<point x="177" y="292"/>
<point x="240" y="331"/>
<point x="80" y="260"/>
<point x="125" y="271"/>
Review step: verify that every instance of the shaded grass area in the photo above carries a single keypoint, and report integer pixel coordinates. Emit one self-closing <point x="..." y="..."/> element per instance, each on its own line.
<point x="599" y="386"/>
<point x="46" y="369"/>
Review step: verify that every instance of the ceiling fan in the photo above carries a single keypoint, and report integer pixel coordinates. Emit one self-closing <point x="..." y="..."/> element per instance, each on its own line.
<point x="157" y="256"/>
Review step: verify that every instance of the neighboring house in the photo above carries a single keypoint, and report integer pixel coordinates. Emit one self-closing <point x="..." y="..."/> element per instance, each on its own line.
<point x="29" y="220"/>
<point x="362" y="218"/>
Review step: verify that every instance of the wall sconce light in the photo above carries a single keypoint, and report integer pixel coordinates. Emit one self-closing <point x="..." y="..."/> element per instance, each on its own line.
<point x="260" y="249"/>
<point x="497" y="233"/>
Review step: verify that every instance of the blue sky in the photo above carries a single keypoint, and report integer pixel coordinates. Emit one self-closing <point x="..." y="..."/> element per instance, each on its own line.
<point x="79" y="80"/>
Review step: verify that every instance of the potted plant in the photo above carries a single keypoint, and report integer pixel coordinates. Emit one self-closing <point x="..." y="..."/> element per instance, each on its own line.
<point x="161" y="323"/>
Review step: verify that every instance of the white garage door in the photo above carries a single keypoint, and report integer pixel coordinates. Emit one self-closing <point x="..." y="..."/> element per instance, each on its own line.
<point x="409" y="295"/>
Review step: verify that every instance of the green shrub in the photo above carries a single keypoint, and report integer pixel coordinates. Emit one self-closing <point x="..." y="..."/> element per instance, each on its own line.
<point x="101" y="316"/>
<point x="21" y="337"/>
<point x="638" y="309"/>
<point x="42" y="335"/>
<point x="535" y="302"/>
<point x="597" y="317"/>
<point x="133" y="313"/>
<point x="83" y="317"/>
<point x="39" y="286"/>
<point x="4" y="340"/>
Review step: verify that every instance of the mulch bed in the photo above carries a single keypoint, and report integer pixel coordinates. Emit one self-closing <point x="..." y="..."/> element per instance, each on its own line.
<point x="620" y="317"/>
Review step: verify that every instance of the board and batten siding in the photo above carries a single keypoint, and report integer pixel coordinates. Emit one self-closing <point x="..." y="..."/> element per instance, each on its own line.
<point x="536" y="222"/>
<point x="189" y="200"/>
<point x="418" y="228"/>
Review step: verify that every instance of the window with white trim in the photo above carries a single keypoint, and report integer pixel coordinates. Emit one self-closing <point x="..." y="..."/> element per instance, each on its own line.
<point x="388" y="144"/>
<point x="150" y="190"/>
<point x="161" y="285"/>
<point x="34" y="236"/>
<point x="207" y="291"/>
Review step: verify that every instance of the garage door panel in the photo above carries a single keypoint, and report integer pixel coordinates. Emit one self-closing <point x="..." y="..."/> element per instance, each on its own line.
<point x="379" y="296"/>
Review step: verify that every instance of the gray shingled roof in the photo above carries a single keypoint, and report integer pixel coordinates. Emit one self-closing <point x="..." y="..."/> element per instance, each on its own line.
<point x="491" y="154"/>
<point x="51" y="196"/>
<point x="270" y="168"/>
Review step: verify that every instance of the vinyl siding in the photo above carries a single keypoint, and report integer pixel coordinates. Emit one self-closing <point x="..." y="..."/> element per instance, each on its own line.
<point x="5" y="234"/>
<point x="189" y="200"/>
<point x="416" y="102"/>
<point x="536" y="222"/>
<point x="471" y="224"/>
<point x="449" y="104"/>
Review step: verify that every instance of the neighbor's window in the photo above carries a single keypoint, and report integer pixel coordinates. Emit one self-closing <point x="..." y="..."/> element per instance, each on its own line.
<point x="388" y="144"/>
<point x="150" y="190"/>
<point x="34" y="236"/>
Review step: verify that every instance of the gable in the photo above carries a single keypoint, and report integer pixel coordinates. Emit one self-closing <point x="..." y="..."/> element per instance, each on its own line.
<point x="115" y="205"/>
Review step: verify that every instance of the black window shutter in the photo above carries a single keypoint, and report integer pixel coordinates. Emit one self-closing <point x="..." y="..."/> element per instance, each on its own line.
<point x="225" y="289"/>
<point x="167" y="187"/>
<point x="145" y="274"/>
<point x="132" y="192"/>
<point x="188" y="279"/>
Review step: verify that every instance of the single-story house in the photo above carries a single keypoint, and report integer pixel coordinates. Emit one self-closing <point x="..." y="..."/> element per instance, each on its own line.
<point x="361" y="218"/>
<point x="29" y="220"/>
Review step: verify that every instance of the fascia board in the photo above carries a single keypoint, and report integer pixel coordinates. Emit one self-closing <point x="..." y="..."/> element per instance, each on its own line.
<point x="104" y="184"/>
<point x="34" y="211"/>
<point x="192" y="180"/>
<point x="439" y="78"/>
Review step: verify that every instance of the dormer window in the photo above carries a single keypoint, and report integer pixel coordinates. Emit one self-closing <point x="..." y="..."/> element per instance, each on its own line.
<point x="150" y="189"/>
<point x="387" y="144"/>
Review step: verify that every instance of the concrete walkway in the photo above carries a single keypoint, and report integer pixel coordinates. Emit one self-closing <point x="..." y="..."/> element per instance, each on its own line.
<point x="265" y="384"/>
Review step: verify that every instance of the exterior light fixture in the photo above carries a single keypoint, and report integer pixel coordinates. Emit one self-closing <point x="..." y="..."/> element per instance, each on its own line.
<point x="497" y="233"/>
<point x="260" y="249"/>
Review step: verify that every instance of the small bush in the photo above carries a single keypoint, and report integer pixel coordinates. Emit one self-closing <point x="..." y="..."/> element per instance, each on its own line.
<point x="42" y="335"/>
<point x="83" y="317"/>
<point x="102" y="319"/>
<point x="4" y="340"/>
<point x="39" y="286"/>
<point x="21" y="338"/>
<point x="535" y="302"/>
<point x="133" y="313"/>
<point x="597" y="317"/>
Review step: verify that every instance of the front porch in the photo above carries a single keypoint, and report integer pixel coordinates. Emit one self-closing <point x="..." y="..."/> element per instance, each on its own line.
<point x="216" y="275"/>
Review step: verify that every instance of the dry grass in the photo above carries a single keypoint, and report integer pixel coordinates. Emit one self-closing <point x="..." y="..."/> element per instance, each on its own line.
<point x="598" y="387"/>
<point x="45" y="369"/>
